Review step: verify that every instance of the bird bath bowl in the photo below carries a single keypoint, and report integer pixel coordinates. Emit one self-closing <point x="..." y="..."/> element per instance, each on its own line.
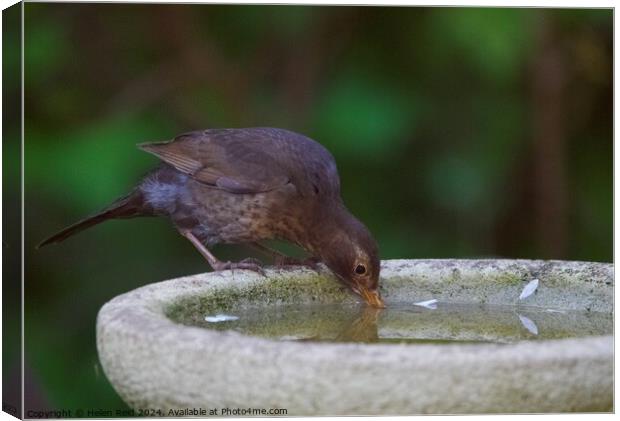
<point x="303" y="346"/>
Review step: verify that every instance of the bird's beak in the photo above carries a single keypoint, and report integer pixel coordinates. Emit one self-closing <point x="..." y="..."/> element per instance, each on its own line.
<point x="371" y="297"/>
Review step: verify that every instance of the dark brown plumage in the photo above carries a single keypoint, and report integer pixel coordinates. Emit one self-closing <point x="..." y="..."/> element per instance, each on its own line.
<point x="250" y="185"/>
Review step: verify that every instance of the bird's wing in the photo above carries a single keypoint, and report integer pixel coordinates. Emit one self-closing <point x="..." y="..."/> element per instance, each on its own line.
<point x="236" y="160"/>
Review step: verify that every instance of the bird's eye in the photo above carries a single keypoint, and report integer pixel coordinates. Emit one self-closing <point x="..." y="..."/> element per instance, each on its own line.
<point x="360" y="269"/>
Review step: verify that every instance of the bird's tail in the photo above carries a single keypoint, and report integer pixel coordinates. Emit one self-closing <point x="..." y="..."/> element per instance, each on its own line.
<point x="129" y="206"/>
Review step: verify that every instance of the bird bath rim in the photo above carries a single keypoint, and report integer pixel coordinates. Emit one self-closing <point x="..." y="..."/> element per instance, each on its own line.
<point x="135" y="335"/>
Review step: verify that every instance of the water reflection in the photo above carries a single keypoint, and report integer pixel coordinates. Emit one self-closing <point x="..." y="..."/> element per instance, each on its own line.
<point x="363" y="328"/>
<point x="448" y="323"/>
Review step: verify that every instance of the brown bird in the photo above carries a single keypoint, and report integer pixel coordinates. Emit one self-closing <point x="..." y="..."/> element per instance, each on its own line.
<point x="250" y="185"/>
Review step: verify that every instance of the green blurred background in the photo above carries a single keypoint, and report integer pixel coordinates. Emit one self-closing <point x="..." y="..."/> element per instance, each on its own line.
<point x="457" y="133"/>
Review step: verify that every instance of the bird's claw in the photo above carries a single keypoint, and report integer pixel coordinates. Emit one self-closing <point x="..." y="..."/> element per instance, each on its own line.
<point x="247" y="264"/>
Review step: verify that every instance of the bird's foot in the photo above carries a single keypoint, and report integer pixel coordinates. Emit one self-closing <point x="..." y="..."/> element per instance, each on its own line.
<point x="254" y="265"/>
<point x="310" y="262"/>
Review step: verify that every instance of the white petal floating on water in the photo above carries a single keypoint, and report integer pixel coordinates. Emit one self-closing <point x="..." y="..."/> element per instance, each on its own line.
<point x="220" y="318"/>
<point x="290" y="338"/>
<point x="528" y="324"/>
<point x="551" y="310"/>
<point x="297" y="338"/>
<point x="529" y="289"/>
<point x="432" y="304"/>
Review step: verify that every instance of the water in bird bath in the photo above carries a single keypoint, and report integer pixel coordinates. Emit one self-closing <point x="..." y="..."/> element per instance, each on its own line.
<point x="401" y="323"/>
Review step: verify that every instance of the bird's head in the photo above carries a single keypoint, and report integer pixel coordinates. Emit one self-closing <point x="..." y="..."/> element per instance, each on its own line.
<point x="351" y="253"/>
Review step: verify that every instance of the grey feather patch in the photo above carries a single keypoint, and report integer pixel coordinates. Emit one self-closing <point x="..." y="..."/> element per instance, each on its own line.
<point x="161" y="196"/>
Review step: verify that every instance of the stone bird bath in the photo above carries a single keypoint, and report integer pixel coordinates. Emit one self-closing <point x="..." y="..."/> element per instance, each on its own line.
<point x="156" y="363"/>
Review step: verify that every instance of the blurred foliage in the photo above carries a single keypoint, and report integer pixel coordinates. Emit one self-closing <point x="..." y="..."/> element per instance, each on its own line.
<point x="434" y="115"/>
<point x="11" y="211"/>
